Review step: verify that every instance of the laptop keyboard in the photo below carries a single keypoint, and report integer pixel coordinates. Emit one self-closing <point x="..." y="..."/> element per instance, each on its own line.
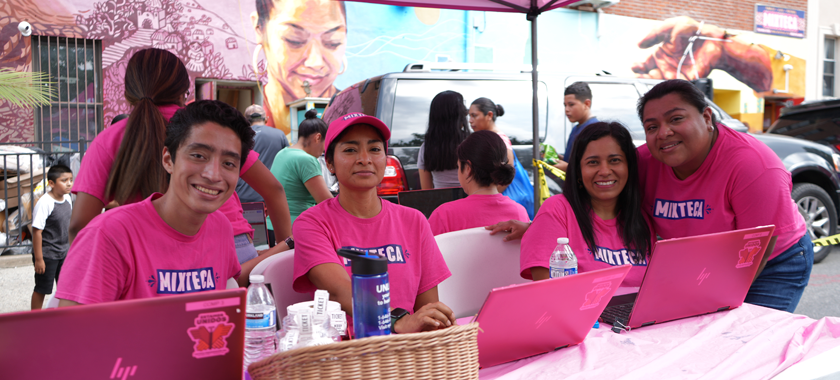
<point x="619" y="313"/>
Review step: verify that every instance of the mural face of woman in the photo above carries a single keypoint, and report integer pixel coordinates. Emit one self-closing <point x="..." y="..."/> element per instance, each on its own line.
<point x="304" y="40"/>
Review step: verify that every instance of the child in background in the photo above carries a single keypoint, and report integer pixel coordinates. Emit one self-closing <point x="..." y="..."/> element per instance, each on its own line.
<point x="483" y="167"/>
<point x="577" y="101"/>
<point x="50" y="224"/>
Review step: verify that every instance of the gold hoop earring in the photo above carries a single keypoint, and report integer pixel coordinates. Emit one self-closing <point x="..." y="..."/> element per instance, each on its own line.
<point x="343" y="65"/>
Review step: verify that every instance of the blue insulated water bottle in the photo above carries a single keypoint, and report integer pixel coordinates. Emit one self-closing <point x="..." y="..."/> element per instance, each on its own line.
<point x="371" y="294"/>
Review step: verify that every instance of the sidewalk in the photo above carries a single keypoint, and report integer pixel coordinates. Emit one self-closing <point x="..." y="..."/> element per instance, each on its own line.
<point x="16" y="282"/>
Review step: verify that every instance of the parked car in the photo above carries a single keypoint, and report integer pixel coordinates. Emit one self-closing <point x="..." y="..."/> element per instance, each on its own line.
<point x="813" y="121"/>
<point x="402" y="101"/>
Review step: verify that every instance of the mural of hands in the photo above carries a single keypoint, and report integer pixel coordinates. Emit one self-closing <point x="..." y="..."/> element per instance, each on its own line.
<point x="748" y="63"/>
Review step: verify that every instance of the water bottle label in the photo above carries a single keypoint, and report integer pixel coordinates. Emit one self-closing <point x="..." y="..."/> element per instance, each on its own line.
<point x="562" y="272"/>
<point x="371" y="306"/>
<point x="385" y="323"/>
<point x="261" y="320"/>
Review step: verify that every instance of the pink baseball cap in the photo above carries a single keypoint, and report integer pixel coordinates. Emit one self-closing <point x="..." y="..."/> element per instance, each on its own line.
<point x="350" y="119"/>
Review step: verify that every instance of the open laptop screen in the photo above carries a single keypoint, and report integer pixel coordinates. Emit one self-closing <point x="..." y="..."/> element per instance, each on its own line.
<point x="254" y="213"/>
<point x="428" y="200"/>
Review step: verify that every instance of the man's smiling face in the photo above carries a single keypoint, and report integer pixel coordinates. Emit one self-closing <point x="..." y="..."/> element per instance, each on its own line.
<point x="205" y="168"/>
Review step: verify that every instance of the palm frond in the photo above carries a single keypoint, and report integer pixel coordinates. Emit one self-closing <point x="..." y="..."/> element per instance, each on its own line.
<point x="25" y="89"/>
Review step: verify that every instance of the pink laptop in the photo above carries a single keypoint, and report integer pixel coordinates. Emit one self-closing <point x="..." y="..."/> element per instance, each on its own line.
<point x="692" y="276"/>
<point x="191" y="336"/>
<point x="529" y="319"/>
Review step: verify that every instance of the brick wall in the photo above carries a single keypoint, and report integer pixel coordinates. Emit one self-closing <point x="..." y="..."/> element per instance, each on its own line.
<point x="727" y="14"/>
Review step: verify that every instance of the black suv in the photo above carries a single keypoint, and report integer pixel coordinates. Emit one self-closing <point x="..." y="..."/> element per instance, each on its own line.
<point x="814" y="121"/>
<point x="402" y="101"/>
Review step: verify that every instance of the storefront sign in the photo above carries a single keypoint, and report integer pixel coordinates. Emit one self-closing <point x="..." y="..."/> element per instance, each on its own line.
<point x="779" y="21"/>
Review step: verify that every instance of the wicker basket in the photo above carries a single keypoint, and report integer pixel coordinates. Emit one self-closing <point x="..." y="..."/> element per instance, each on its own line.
<point x="442" y="354"/>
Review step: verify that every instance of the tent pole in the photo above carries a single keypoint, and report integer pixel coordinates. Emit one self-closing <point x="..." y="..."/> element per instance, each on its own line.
<point x="535" y="110"/>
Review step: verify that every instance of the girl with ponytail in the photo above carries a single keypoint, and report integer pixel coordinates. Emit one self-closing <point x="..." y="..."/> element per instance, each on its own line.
<point x="124" y="162"/>
<point x="483" y="167"/>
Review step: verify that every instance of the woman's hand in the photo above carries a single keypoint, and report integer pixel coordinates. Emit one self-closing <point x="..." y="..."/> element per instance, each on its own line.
<point x="515" y="227"/>
<point x="432" y="316"/>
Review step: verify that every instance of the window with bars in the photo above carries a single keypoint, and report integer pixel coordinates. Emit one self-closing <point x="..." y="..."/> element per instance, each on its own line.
<point x="828" y="67"/>
<point x="74" y="66"/>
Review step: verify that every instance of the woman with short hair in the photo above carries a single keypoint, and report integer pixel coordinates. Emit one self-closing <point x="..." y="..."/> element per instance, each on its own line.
<point x="482" y="167"/>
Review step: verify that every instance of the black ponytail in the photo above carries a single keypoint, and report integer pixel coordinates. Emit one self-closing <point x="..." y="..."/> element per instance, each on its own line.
<point x="486" y="154"/>
<point x="312" y="125"/>
<point x="486" y="105"/>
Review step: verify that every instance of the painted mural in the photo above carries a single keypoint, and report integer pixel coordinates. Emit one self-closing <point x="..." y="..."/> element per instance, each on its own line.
<point x="293" y="48"/>
<point x="297" y="48"/>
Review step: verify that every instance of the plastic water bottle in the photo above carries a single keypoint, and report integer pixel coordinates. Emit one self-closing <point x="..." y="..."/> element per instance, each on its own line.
<point x="562" y="261"/>
<point x="260" y="322"/>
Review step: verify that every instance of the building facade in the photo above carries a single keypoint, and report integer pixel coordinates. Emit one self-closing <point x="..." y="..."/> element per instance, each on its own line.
<point x="823" y="45"/>
<point x="292" y="49"/>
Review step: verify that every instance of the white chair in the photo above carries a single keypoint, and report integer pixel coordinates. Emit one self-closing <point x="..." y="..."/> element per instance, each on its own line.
<point x="278" y="271"/>
<point x="479" y="262"/>
<point x="232" y="284"/>
<point x="52" y="302"/>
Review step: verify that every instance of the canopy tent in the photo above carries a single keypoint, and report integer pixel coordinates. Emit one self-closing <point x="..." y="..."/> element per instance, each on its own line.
<point x="532" y="9"/>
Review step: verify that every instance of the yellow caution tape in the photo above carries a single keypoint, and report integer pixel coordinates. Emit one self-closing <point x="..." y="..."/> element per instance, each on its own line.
<point x="831" y="240"/>
<point x="541" y="165"/>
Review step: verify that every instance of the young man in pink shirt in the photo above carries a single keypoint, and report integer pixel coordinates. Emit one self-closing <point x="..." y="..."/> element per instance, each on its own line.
<point x="169" y="243"/>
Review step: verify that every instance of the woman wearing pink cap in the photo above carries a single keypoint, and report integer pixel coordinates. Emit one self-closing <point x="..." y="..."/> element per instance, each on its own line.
<point x="358" y="219"/>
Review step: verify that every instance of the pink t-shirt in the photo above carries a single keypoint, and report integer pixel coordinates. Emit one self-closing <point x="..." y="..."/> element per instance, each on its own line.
<point x="477" y="210"/>
<point x="741" y="184"/>
<point x="99" y="158"/>
<point x="130" y="252"/>
<point x="399" y="233"/>
<point x="506" y="140"/>
<point x="232" y="208"/>
<point x="556" y="219"/>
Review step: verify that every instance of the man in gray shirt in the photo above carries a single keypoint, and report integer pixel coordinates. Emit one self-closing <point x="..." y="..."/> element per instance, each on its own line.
<point x="267" y="142"/>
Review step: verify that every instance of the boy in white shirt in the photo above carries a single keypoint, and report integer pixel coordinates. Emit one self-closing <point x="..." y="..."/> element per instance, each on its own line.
<point x="50" y="237"/>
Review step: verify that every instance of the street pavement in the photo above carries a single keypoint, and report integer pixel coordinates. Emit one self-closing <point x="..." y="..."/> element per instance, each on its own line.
<point x="16" y="288"/>
<point x="821" y="297"/>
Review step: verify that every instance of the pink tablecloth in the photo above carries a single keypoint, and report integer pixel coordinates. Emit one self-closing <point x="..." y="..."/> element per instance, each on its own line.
<point x="750" y="342"/>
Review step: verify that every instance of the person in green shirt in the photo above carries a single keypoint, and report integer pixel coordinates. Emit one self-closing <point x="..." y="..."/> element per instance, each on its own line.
<point x="298" y="170"/>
